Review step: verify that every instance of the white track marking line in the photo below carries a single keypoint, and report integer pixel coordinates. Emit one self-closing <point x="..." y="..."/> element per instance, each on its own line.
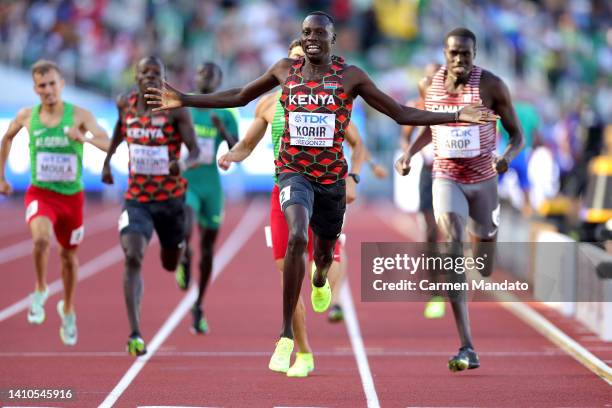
<point x="252" y="218"/>
<point x="98" y="264"/>
<point x="553" y="334"/>
<point x="352" y="327"/>
<point x="96" y="224"/>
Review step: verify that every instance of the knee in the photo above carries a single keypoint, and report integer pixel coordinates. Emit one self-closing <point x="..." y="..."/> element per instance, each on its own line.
<point x="41" y="243"/>
<point x="298" y="240"/>
<point x="450" y="227"/>
<point x="133" y="258"/>
<point x="68" y="256"/>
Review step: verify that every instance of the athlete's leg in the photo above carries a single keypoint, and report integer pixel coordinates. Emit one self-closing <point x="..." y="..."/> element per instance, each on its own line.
<point x="295" y="263"/>
<point x="336" y="275"/>
<point x="133" y="245"/>
<point x="169" y="222"/>
<point x="70" y="267"/>
<point x="207" y="242"/>
<point x="40" y="228"/>
<point x="299" y="318"/>
<point x="451" y="227"/>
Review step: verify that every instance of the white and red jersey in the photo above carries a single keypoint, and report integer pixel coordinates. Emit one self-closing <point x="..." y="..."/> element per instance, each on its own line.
<point x="463" y="152"/>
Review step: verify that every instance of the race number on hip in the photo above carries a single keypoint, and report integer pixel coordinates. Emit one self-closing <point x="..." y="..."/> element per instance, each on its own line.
<point x="207" y="150"/>
<point x="149" y="159"/>
<point x="312" y="129"/>
<point x="56" y="166"/>
<point x="458" y="141"/>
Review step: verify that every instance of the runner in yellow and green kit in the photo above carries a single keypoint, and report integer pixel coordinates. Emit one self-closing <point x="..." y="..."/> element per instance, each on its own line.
<point x="54" y="200"/>
<point x="204" y="193"/>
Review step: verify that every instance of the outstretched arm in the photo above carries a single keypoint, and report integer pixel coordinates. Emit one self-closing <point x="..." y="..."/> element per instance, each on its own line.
<point x="168" y="97"/>
<point x="363" y="86"/>
<point x="7" y="141"/>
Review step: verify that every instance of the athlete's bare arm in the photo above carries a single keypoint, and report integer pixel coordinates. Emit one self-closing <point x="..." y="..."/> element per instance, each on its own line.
<point x="357" y="157"/>
<point x="20" y="121"/>
<point x="358" y="83"/>
<point x="230" y="139"/>
<point x="184" y="125"/>
<point x="254" y="134"/>
<point x="86" y="122"/>
<point x="422" y="139"/>
<point x="169" y="98"/>
<point x="116" y="139"/>
<point x="501" y="103"/>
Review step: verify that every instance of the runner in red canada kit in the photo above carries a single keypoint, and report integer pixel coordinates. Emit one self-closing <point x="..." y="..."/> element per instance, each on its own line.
<point x="465" y="168"/>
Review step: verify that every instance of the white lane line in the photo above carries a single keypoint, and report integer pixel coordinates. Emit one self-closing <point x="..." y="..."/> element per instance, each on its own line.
<point x="240" y="354"/>
<point x="352" y="327"/>
<point x="98" y="264"/>
<point x="251" y="219"/>
<point x="94" y="225"/>
<point x="556" y="336"/>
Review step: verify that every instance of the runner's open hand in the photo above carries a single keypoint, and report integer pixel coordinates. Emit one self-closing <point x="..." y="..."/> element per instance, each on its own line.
<point x="402" y="165"/>
<point x="476" y="114"/>
<point x="500" y="164"/>
<point x="165" y="98"/>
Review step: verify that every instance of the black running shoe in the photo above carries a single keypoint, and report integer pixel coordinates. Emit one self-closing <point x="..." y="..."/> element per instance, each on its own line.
<point x="200" y="325"/>
<point x="466" y="359"/>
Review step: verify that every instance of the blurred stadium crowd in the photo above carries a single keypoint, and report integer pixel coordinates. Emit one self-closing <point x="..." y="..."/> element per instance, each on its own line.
<point x="556" y="55"/>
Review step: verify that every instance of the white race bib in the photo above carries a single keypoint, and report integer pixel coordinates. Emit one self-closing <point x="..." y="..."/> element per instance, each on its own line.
<point x="207" y="150"/>
<point x="56" y="166"/>
<point x="457" y="141"/>
<point x="312" y="129"/>
<point x="151" y="160"/>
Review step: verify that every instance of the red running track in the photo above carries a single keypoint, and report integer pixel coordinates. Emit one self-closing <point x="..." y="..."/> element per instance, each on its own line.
<point x="406" y="354"/>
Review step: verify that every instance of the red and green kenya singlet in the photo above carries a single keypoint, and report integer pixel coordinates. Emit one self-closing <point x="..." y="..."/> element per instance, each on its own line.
<point x="317" y="114"/>
<point x="153" y="142"/>
<point x="56" y="161"/>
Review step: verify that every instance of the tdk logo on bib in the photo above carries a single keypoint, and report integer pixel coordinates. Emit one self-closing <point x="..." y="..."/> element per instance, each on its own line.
<point x="312" y="118"/>
<point x="311" y="129"/>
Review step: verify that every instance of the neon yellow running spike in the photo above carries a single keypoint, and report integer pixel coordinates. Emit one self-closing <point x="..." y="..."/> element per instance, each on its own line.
<point x="302" y="366"/>
<point x="282" y="355"/>
<point x="321" y="297"/>
<point x="181" y="278"/>
<point x="435" y="308"/>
